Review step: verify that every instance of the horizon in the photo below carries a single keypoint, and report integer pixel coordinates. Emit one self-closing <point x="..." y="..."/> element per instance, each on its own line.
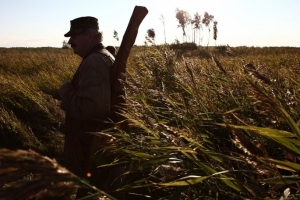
<point x="160" y="45"/>
<point x="255" y="23"/>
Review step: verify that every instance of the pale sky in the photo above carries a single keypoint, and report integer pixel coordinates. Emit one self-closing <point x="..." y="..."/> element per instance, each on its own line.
<point x="258" y="23"/>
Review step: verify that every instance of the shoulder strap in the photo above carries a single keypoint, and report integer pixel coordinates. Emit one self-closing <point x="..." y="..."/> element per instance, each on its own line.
<point x="107" y="54"/>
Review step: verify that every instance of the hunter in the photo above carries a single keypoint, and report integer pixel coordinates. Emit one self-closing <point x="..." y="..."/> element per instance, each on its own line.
<point x="86" y="101"/>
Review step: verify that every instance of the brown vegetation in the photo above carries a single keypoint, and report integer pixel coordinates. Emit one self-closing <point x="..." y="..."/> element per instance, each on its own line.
<point x="220" y="123"/>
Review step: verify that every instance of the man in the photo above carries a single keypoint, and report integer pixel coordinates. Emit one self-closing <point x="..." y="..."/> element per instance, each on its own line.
<point x="86" y="99"/>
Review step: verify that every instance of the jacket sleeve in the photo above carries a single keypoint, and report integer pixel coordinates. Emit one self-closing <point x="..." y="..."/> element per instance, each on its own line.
<point x="91" y="99"/>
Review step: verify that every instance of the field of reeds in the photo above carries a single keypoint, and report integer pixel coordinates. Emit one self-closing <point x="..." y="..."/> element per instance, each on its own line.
<point x="206" y="123"/>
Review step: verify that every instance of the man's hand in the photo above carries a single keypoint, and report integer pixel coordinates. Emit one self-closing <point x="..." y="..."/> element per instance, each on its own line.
<point x="65" y="88"/>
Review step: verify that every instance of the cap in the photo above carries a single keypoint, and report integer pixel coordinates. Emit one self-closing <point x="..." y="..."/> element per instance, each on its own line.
<point x="80" y="24"/>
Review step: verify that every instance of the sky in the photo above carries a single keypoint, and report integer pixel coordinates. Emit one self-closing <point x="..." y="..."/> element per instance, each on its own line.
<point x="258" y="23"/>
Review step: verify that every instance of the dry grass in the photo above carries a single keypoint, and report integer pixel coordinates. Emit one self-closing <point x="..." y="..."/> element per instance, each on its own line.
<point x="204" y="124"/>
<point x="28" y="175"/>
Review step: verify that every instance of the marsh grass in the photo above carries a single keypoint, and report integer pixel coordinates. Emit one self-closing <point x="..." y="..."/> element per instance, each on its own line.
<point x="211" y="125"/>
<point x="46" y="178"/>
<point x="226" y="129"/>
<point x="31" y="117"/>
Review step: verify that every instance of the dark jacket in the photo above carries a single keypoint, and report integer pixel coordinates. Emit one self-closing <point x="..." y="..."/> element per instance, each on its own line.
<point x="86" y="107"/>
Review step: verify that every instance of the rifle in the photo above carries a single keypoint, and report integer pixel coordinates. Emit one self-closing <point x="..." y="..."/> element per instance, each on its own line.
<point x="118" y="69"/>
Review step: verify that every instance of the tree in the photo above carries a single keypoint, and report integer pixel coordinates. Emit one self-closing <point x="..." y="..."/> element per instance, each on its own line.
<point x="150" y="36"/>
<point x="188" y="24"/>
<point x="163" y="21"/>
<point x="116" y="35"/>
<point x="207" y="22"/>
<point x="215" y="30"/>
<point x="66" y="45"/>
<point x="197" y="25"/>
<point x="183" y="19"/>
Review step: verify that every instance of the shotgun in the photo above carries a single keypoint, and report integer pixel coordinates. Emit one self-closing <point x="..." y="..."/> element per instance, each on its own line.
<point x="118" y="69"/>
<point x="118" y="102"/>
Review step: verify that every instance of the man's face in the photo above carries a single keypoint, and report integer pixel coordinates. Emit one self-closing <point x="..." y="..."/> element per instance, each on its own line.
<point x="80" y="43"/>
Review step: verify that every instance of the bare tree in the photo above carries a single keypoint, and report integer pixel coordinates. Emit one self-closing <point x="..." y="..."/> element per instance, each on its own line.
<point x="207" y="22"/>
<point x="163" y="21"/>
<point x="197" y="25"/>
<point x="189" y="24"/>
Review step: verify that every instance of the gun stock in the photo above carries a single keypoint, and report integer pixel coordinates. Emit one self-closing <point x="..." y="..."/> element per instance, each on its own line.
<point x="119" y="67"/>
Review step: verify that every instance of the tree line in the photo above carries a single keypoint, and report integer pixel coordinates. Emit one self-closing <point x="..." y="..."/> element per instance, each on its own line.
<point x="191" y="27"/>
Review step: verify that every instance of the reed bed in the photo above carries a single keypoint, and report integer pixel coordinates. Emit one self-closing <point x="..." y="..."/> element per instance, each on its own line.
<point x="219" y="123"/>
